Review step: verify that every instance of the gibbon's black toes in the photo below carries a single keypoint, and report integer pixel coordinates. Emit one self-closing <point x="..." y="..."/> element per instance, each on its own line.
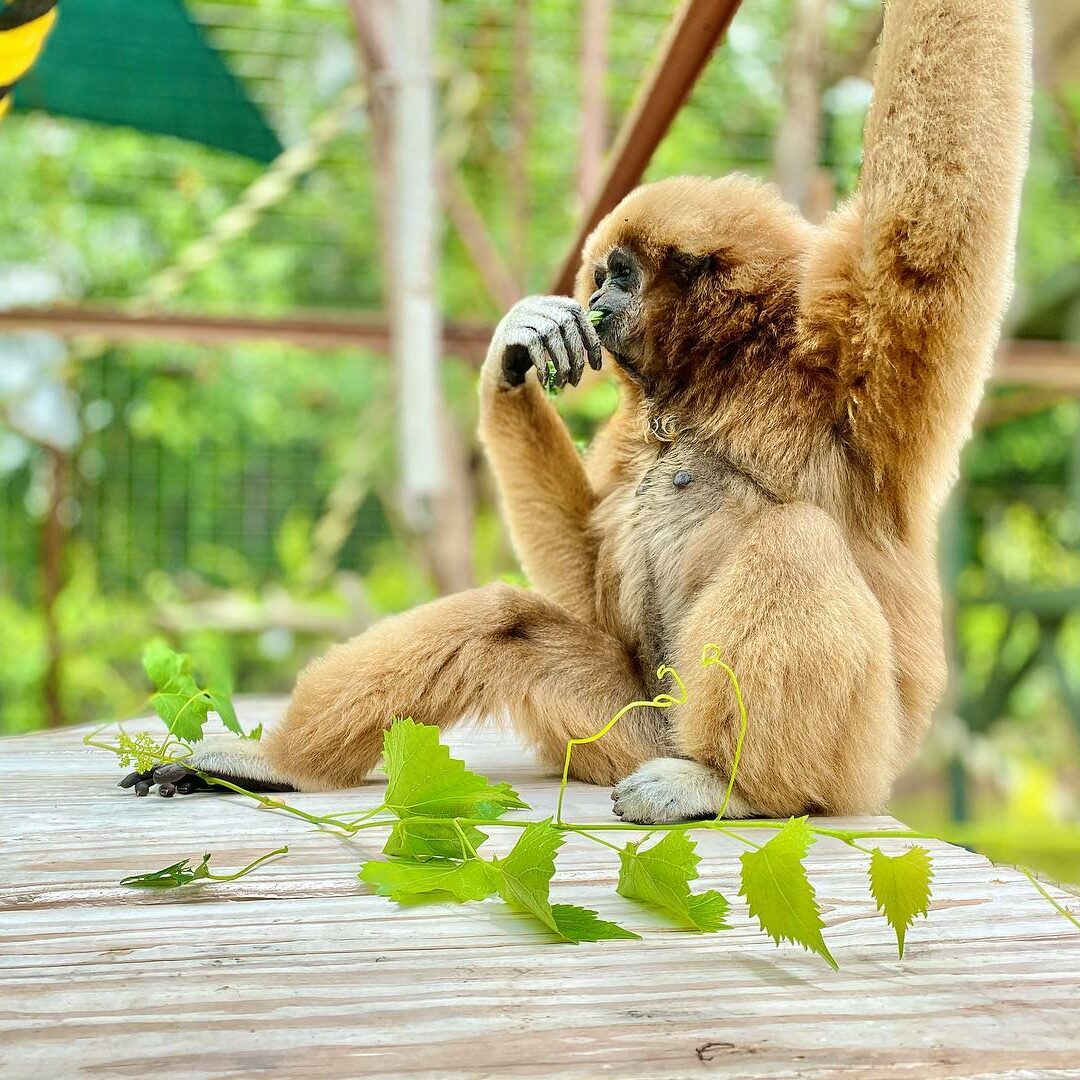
<point x="169" y="774"/>
<point x="172" y="779"/>
<point x="177" y="779"/>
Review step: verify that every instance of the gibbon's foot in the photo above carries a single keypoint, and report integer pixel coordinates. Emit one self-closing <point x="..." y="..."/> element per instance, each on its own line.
<point x="667" y="790"/>
<point x="225" y="758"/>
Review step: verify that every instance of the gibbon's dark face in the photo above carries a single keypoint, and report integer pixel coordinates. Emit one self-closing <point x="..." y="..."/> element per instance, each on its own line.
<point x="690" y="272"/>
<point x="619" y="281"/>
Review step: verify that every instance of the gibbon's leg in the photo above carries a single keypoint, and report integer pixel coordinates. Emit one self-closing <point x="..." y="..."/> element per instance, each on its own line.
<point x="484" y="651"/>
<point x="811" y="648"/>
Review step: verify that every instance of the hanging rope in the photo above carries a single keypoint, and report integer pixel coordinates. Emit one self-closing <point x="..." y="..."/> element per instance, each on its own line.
<point x="266" y="191"/>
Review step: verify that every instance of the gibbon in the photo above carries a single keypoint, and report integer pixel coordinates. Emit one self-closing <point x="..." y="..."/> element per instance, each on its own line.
<point x="793" y="402"/>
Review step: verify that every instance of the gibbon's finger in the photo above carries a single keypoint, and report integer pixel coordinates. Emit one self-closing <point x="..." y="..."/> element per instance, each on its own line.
<point x="539" y="356"/>
<point x="589" y="337"/>
<point x="525" y="340"/>
<point x="558" y="337"/>
<point x="133" y="778"/>
<point x="576" y="348"/>
<point x="549" y="337"/>
<point x="560" y="356"/>
<point x="169" y="774"/>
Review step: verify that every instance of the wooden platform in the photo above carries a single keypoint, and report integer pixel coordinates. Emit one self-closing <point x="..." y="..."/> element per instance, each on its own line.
<point x="296" y="972"/>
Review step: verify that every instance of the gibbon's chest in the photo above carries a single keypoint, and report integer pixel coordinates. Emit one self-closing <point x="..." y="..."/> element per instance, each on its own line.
<point x="662" y="535"/>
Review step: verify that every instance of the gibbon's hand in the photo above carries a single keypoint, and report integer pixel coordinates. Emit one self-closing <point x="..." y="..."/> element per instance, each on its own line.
<point x="540" y="329"/>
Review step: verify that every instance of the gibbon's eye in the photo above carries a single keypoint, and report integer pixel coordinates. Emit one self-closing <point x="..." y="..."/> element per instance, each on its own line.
<point x="599" y="276"/>
<point x="619" y="267"/>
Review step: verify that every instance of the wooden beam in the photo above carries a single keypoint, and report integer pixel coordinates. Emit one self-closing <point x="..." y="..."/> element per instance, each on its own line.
<point x="693" y="34"/>
<point x="1054" y="364"/>
<point x="305" y="330"/>
<point x="1051" y="364"/>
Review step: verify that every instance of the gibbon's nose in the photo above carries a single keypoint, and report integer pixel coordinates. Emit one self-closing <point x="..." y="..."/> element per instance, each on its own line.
<point x="595" y="296"/>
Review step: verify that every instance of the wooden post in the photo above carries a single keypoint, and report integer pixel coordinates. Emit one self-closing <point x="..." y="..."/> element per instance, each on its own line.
<point x="414" y="310"/>
<point x="798" y="137"/>
<point x="594" y="113"/>
<point x="521" y="120"/>
<point x="371" y="18"/>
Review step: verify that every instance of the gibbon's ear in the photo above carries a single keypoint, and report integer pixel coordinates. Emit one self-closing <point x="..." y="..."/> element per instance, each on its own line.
<point x="684" y="269"/>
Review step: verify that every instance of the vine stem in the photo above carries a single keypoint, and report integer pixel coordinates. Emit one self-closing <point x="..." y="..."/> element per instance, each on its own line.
<point x="710" y="655"/>
<point x="367" y="818"/>
<point x="661" y="701"/>
<point x="1059" y="908"/>
<point x="466" y="845"/>
<point x="284" y="850"/>
<point x="594" y="839"/>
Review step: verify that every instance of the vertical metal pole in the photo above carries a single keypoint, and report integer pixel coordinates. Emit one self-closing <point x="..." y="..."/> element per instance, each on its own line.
<point x="416" y="329"/>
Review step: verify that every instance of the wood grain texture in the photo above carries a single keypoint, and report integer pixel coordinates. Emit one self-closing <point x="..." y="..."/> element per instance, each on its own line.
<point x="297" y="972"/>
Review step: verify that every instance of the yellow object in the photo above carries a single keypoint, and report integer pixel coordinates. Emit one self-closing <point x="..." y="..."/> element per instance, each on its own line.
<point x="24" y="26"/>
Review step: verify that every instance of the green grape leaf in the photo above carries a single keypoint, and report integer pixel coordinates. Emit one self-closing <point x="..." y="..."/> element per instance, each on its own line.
<point x="222" y="704"/>
<point x="779" y="893"/>
<point x="430" y="839"/>
<point x="551" y="387"/>
<point x="900" y="885"/>
<point x="578" y="924"/>
<point x="399" y="879"/>
<point x="184" y="713"/>
<point x="525" y="881"/>
<point x="179" y="700"/>
<point x="170" y="877"/>
<point x="164" y="665"/>
<point x="660" y="876"/>
<point x="424" y="780"/>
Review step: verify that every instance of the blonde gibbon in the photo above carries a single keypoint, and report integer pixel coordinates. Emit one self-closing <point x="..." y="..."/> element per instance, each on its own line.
<point x="793" y="401"/>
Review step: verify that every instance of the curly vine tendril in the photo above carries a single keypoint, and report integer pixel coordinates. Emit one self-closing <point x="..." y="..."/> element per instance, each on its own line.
<point x="710" y="655"/>
<point x="661" y="701"/>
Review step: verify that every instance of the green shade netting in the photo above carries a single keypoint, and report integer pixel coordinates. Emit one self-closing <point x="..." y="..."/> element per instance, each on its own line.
<point x="145" y="64"/>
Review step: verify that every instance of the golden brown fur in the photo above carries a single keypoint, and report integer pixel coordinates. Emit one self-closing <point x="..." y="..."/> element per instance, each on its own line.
<point x="818" y="383"/>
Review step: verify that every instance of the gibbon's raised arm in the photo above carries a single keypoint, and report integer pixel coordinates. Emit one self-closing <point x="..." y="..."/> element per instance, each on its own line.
<point x="933" y="222"/>
<point x="544" y="492"/>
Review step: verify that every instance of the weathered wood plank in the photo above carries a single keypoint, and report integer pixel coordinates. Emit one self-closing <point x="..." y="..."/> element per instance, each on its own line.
<point x="296" y="971"/>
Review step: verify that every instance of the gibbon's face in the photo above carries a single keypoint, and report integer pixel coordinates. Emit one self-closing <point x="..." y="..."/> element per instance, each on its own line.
<point x="687" y="271"/>
<point x="619" y="281"/>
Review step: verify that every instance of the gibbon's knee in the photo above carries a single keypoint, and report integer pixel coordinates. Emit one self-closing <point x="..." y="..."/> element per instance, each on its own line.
<point x="810" y="645"/>
<point x="495" y="650"/>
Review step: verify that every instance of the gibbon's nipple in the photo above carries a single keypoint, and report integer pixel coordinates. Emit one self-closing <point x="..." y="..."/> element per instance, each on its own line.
<point x="681" y="479"/>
